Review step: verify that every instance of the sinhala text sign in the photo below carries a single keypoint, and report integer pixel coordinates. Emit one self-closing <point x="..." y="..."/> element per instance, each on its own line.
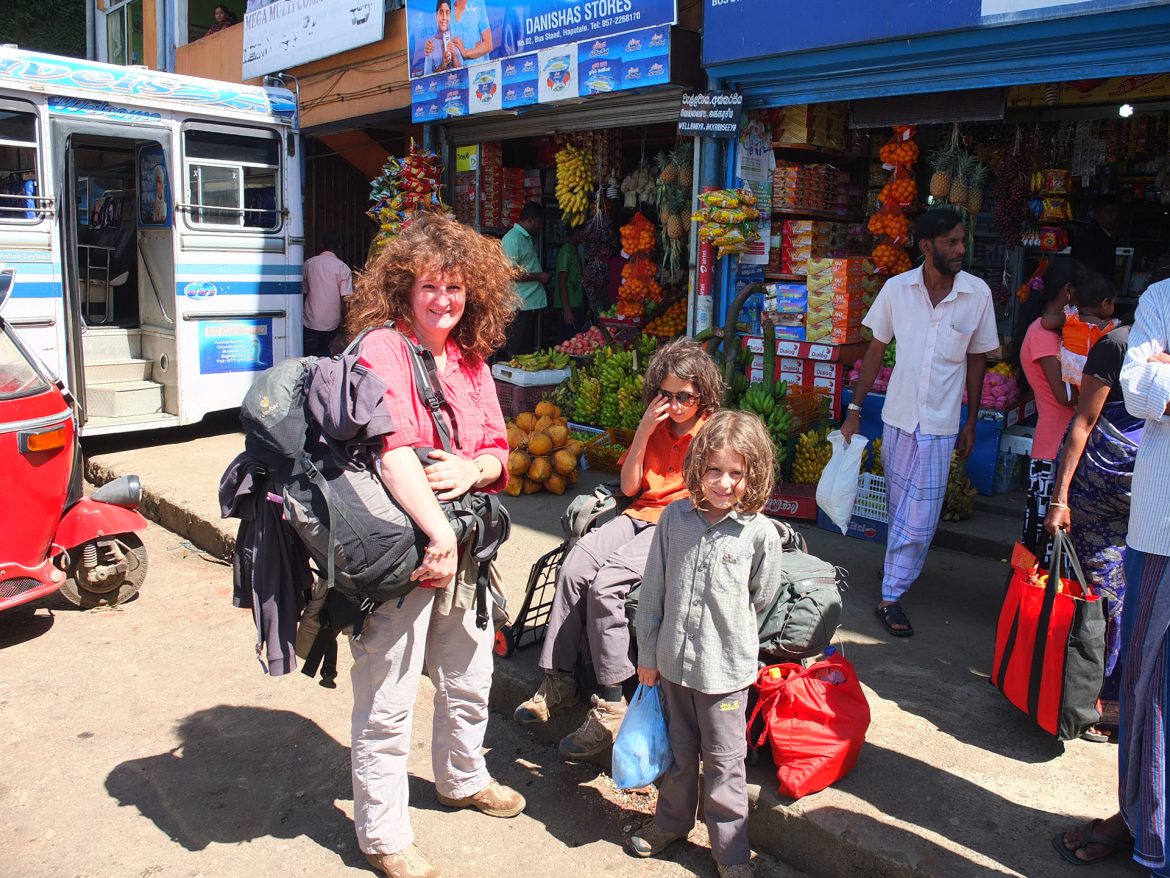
<point x="279" y="34"/>
<point x="442" y="36"/>
<point x="710" y="114"/>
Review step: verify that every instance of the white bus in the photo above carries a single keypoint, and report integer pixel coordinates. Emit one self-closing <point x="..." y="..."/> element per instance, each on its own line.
<point x="151" y="233"/>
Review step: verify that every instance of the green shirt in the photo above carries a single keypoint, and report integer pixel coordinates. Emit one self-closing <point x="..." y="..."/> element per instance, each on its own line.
<point x="517" y="244"/>
<point x="569" y="262"/>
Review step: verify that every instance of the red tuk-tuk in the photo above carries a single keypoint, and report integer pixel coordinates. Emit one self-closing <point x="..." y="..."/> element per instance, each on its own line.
<point x="51" y="536"/>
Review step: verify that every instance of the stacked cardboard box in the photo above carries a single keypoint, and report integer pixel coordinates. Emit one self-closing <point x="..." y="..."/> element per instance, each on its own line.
<point x="799" y="186"/>
<point x="820" y="125"/>
<point x="839" y="293"/>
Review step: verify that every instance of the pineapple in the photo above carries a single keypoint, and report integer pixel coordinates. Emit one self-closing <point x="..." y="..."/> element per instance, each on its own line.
<point x="684" y="158"/>
<point x="668" y="169"/>
<point x="964" y="165"/>
<point x="975" y="186"/>
<point x="943" y="161"/>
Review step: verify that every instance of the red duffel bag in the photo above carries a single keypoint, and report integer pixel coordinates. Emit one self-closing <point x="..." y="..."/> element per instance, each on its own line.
<point x="816" y="718"/>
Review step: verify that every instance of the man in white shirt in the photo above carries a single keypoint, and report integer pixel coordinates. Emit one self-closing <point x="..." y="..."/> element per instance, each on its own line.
<point x="944" y="323"/>
<point x="327" y="281"/>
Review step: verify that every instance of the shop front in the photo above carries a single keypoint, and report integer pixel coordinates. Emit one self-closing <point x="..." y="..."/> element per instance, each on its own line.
<point x="1023" y="121"/>
<point x="580" y="117"/>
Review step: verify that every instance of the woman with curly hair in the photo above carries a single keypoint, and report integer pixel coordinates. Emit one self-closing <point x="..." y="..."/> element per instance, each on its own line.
<point x="447" y="289"/>
<point x="682" y="388"/>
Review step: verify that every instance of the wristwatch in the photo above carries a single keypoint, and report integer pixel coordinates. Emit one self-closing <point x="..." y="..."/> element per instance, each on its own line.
<point x="854" y="407"/>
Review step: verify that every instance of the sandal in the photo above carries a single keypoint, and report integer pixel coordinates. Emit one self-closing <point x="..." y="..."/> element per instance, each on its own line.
<point x="1112" y="846"/>
<point x="891" y="615"/>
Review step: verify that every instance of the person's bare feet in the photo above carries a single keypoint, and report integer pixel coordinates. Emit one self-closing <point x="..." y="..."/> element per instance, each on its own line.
<point x="1097" y="839"/>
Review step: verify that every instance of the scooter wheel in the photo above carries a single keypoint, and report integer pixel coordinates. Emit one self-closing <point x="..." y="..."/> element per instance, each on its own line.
<point x="117" y="589"/>
<point x="505" y="643"/>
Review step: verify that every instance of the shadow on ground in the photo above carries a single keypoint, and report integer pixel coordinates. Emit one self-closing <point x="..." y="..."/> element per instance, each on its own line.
<point x="241" y="773"/>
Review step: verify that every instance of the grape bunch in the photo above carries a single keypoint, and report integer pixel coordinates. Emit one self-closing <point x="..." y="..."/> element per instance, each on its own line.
<point x="1011" y="198"/>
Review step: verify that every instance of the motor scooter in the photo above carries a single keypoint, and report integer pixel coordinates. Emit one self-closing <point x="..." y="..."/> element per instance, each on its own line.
<point x="51" y="536"/>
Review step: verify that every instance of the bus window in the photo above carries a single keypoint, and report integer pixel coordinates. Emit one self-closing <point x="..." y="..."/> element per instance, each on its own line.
<point x="232" y="180"/>
<point x="19" y="182"/>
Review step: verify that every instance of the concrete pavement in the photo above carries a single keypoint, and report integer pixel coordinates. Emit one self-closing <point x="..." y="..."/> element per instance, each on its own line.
<point x="952" y="782"/>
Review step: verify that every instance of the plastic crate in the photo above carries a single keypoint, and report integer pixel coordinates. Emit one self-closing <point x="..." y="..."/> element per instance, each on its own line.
<point x="502" y="372"/>
<point x="871" y="500"/>
<point x="515" y="399"/>
<point x="602" y="456"/>
<point x="809" y="406"/>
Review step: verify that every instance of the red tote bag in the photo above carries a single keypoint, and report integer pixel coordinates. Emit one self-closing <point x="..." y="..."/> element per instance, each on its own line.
<point x="1050" y="642"/>
<point x="815" y="718"/>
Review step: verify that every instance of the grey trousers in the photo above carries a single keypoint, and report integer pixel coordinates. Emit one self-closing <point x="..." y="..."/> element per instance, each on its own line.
<point x="713" y="727"/>
<point x="387" y="664"/>
<point x="589" y="605"/>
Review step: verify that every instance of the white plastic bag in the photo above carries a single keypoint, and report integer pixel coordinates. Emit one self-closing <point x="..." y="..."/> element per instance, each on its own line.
<point x="837" y="489"/>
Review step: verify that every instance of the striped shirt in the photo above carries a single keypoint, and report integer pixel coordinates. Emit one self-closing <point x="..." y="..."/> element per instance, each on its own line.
<point x="700" y="630"/>
<point x="1147" y="393"/>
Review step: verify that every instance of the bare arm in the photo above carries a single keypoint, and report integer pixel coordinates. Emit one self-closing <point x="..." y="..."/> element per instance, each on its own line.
<point x="1093" y="396"/>
<point x="405" y="480"/>
<point x="1065" y="394"/>
<point x="976" y="368"/>
<point x="870" y="366"/>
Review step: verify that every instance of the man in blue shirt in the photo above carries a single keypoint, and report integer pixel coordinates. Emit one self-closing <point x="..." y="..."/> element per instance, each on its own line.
<point x="529" y="286"/>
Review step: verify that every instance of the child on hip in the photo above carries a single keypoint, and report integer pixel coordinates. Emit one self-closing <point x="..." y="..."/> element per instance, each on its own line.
<point x="714" y="565"/>
<point x="1084" y="322"/>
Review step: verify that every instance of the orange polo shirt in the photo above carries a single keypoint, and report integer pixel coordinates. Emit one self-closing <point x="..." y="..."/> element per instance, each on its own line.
<point x="662" y="475"/>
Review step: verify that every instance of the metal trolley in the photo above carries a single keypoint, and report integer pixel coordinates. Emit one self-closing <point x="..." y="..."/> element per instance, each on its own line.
<point x="532" y="621"/>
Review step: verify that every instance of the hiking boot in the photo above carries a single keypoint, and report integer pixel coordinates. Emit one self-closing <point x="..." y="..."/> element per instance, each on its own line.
<point x="495" y="800"/>
<point x="406" y="863"/>
<point x="738" y="870"/>
<point x="651" y="840"/>
<point x="597" y="732"/>
<point x="556" y="691"/>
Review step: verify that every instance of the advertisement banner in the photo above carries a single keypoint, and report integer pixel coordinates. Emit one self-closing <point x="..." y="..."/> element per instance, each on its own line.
<point x="154" y="190"/>
<point x="235" y="346"/>
<point x="738" y="30"/>
<point x="637" y="59"/>
<point x="463" y="33"/>
<point x="279" y="34"/>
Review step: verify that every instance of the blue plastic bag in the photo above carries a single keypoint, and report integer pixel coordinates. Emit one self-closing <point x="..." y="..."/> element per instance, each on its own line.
<point x="641" y="753"/>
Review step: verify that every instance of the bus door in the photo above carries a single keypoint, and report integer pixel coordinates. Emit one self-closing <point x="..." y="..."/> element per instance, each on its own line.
<point x="29" y="272"/>
<point x="117" y="245"/>
<point x="238" y="287"/>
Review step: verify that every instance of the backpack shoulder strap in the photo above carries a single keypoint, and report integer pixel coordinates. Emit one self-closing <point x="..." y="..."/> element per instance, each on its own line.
<point x="426" y="384"/>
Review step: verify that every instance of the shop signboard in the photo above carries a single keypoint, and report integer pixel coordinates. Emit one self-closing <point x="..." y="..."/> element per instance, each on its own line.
<point x="738" y="30"/>
<point x="637" y="59"/>
<point x="452" y="31"/>
<point x="710" y="114"/>
<point x="1115" y="90"/>
<point x="280" y="34"/>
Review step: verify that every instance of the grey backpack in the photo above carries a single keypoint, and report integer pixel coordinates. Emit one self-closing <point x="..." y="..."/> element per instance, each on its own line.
<point x="587" y="511"/>
<point x="803" y="618"/>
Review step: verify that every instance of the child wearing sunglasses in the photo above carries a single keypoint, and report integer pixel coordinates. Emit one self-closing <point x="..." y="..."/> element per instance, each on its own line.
<point x="682" y="388"/>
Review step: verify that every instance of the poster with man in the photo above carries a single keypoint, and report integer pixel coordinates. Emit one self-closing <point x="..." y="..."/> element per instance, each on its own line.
<point x="450" y="34"/>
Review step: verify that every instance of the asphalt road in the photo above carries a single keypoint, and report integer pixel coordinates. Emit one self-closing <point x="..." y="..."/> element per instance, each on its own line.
<point x="146" y="741"/>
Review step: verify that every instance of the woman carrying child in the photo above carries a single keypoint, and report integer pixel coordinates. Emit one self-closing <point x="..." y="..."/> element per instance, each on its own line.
<point x="713" y="565"/>
<point x="682" y="387"/>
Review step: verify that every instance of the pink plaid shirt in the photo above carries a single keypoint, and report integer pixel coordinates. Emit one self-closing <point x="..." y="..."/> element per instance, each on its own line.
<point x="468" y="389"/>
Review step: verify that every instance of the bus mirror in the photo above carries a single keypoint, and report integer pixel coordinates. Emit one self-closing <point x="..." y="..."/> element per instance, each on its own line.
<point x="7" y="276"/>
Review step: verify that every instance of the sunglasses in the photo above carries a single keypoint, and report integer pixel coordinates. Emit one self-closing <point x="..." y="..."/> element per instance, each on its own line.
<point x="682" y="397"/>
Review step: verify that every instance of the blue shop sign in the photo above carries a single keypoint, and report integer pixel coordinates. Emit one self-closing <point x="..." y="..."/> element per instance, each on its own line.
<point x="444" y="36"/>
<point x="739" y="30"/>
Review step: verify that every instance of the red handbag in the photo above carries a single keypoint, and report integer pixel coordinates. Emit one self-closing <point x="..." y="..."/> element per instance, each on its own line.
<point x="1050" y="642"/>
<point x="816" y="719"/>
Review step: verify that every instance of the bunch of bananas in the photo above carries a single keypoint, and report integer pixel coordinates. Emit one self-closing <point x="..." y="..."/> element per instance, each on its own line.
<point x="540" y="360"/>
<point x="959" y="502"/>
<point x="612" y="369"/>
<point x="587" y="404"/>
<point x="812" y="453"/>
<point x="1003" y="367"/>
<point x="768" y="403"/>
<point x="878" y="468"/>
<point x="630" y="405"/>
<point x="575" y="184"/>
